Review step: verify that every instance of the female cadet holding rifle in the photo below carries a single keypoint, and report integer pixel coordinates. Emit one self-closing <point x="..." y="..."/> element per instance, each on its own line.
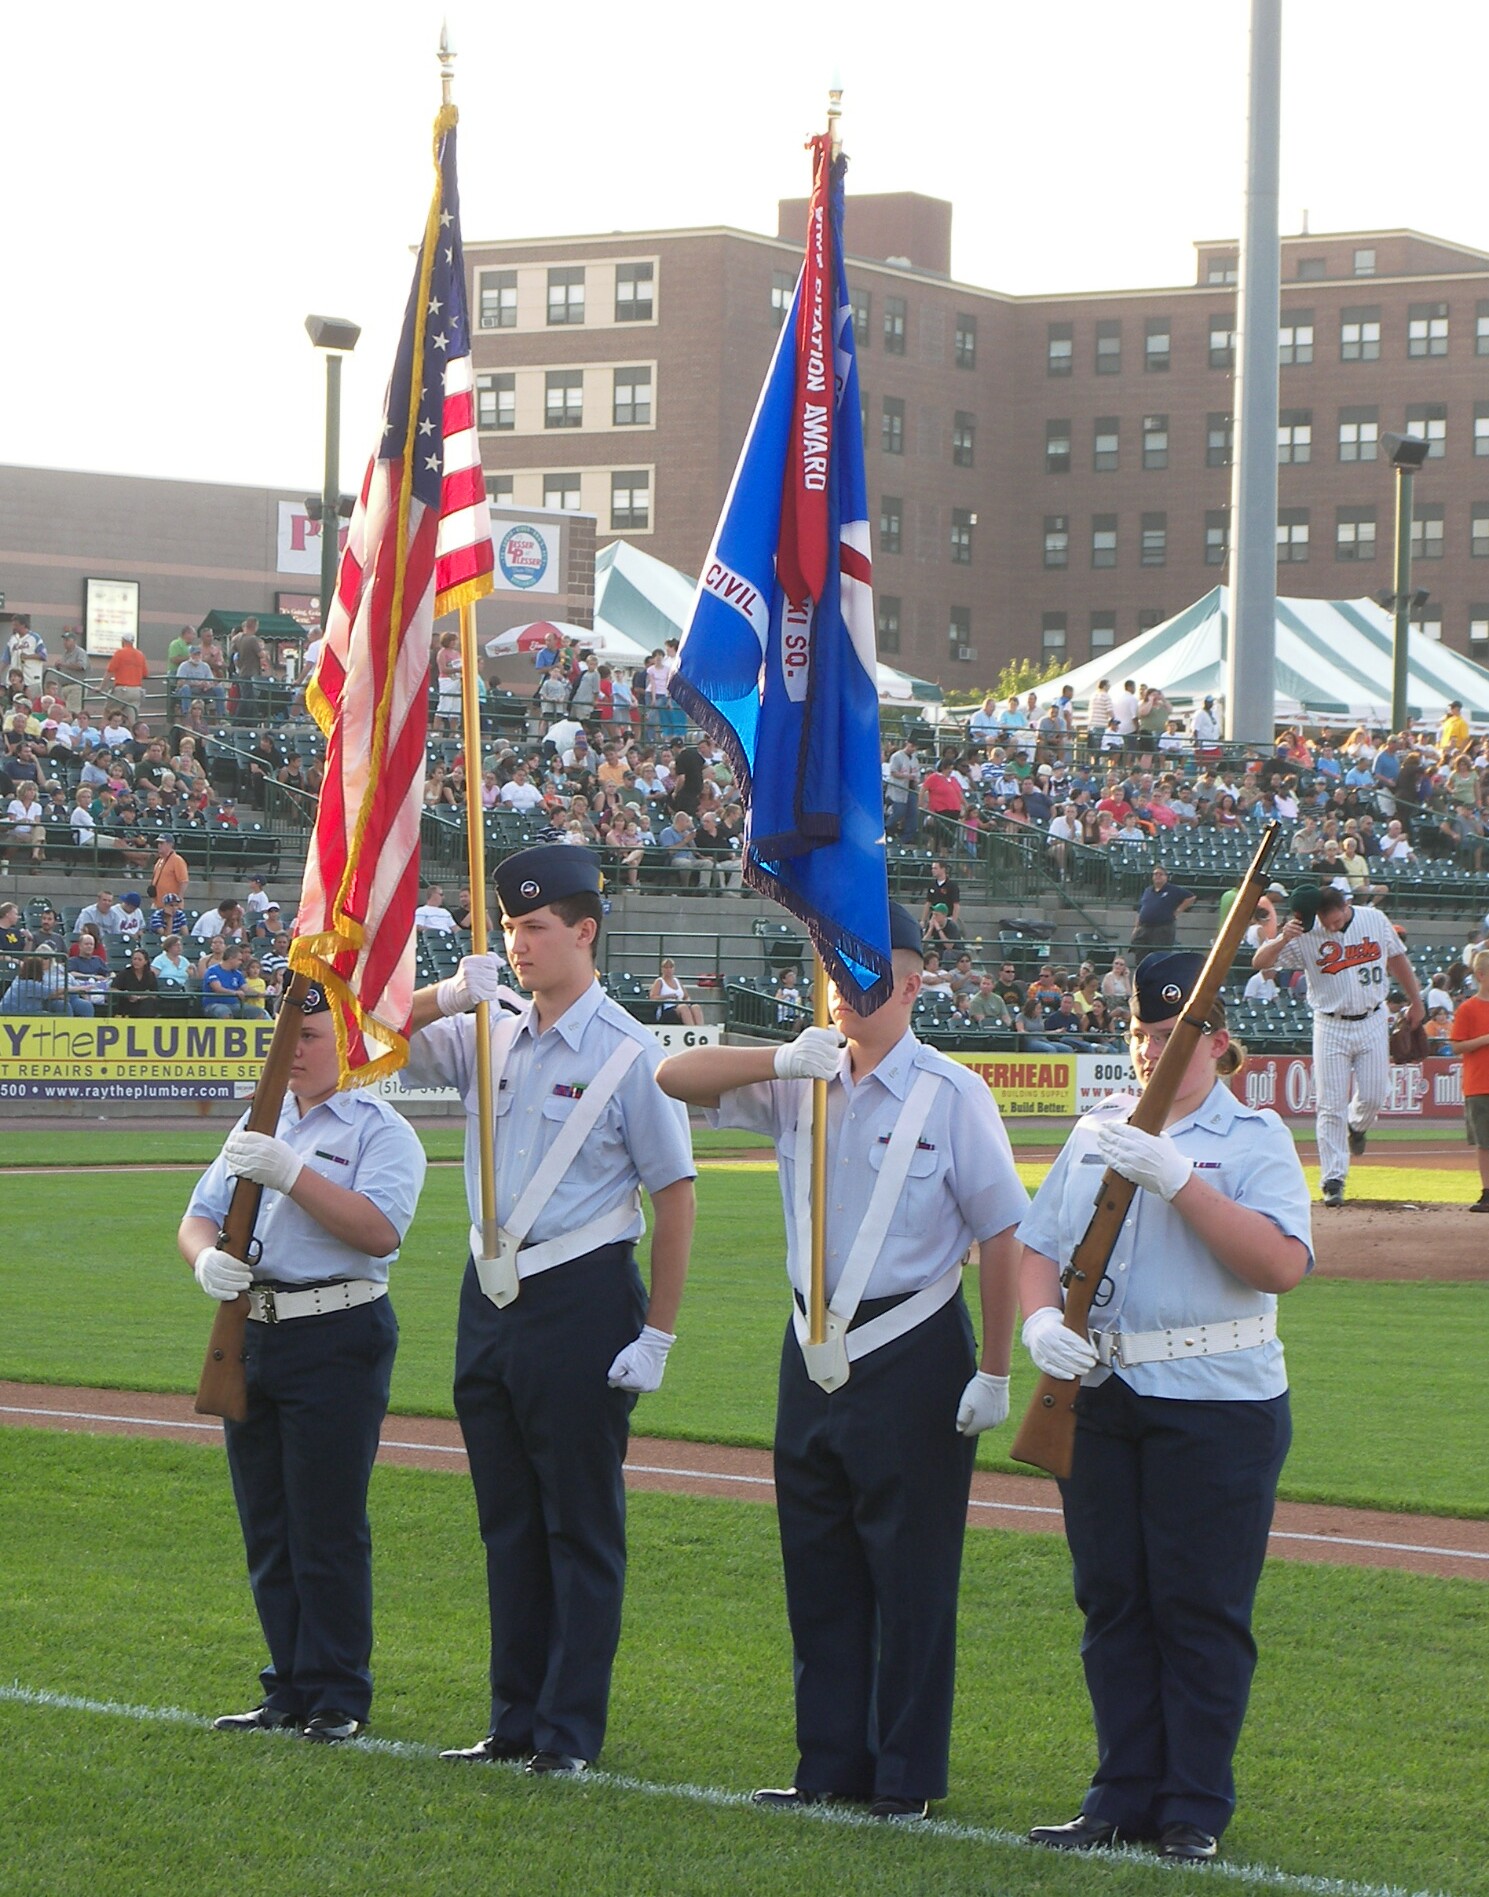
<point x="1182" y="1423"/>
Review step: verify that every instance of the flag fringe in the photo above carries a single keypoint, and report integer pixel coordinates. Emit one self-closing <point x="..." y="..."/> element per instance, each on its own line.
<point x="465" y="594"/>
<point x="829" y="939"/>
<point x="307" y="958"/>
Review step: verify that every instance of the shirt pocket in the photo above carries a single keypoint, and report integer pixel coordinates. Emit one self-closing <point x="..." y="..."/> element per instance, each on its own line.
<point x="915" y="1211"/>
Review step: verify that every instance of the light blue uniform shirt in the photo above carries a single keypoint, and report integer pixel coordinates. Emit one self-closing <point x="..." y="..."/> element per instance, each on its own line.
<point x="962" y="1187"/>
<point x="1161" y="1277"/>
<point x="641" y="1138"/>
<point x="353" y="1139"/>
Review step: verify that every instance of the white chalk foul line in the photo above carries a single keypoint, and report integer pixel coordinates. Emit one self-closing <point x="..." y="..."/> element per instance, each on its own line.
<point x="1261" y="1875"/>
<point x="752" y="1481"/>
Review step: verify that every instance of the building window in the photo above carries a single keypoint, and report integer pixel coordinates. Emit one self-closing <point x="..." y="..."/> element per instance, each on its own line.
<point x="1103" y="540"/>
<point x="1294" y="436"/>
<point x="1311" y="269"/>
<point x="1155" y="540"/>
<point x="1427" y="531"/>
<point x="1364" y="263"/>
<point x="1052" y="636"/>
<point x="1148" y="617"/>
<point x="1222" y="269"/>
<point x="566" y="295"/>
<point x="1354" y="533"/>
<point x="1104" y="445"/>
<point x="1359" y="434"/>
<point x="1295" y="339"/>
<point x="965" y="341"/>
<point x="1428" y="421"/>
<point x="892" y="428"/>
<point x="1155" y="441"/>
<point x="1481" y="331"/>
<point x="1108" y="348"/>
<point x="1059" y="357"/>
<point x="630" y="499"/>
<point x="1478" y="531"/>
<point x="1429" y="622"/>
<point x="496" y="294"/>
<point x="1217" y="536"/>
<point x="561" y="491"/>
<point x="496" y="401"/>
<point x="633" y="293"/>
<point x="633" y="397"/>
<point x="1292" y="536"/>
<point x="1481" y="428"/>
<point x="563" y="398"/>
<point x="1359" y="334"/>
<point x="1218" y="432"/>
<point x="962" y="522"/>
<point x="1057" y="540"/>
<point x="963" y="439"/>
<point x="1103" y="631"/>
<point x="782" y="289"/>
<point x="891" y="523"/>
<point x="1057" y="447"/>
<point x="887" y="611"/>
<point x="1478" y="631"/>
<point x="1223" y="342"/>
<point x="862" y="304"/>
<point x="894" y="325"/>
<point x="1156" y="345"/>
<point x="499" y="490"/>
<point x="959" y="633"/>
<point x="1427" y="329"/>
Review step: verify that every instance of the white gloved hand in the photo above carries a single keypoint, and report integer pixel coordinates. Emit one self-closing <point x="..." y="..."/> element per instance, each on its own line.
<point x="984" y="1404"/>
<point x="221" y="1275"/>
<point x="261" y="1157"/>
<point x="640" y="1365"/>
<point x="813" y="1055"/>
<point x="1056" y="1351"/>
<point x="1149" y="1160"/>
<point x="477" y="979"/>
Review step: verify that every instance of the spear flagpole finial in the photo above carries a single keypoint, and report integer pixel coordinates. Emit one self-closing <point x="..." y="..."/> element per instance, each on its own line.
<point x="446" y="62"/>
<point x="835" y="111"/>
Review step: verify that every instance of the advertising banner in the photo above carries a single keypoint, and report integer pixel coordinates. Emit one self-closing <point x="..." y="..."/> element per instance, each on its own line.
<point x="526" y="557"/>
<point x="1419" y="1090"/>
<point x="1028" y="1086"/>
<point x="58" y="1057"/>
<point x="298" y="540"/>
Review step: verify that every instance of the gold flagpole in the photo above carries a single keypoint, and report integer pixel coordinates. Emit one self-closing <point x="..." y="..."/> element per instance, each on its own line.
<point x="475" y="835"/>
<point x="817" y="1288"/>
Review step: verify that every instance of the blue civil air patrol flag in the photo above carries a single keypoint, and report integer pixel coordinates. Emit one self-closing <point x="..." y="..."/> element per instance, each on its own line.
<point x="789" y="690"/>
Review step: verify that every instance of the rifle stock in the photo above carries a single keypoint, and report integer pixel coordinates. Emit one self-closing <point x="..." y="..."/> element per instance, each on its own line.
<point x="222" y="1388"/>
<point x="1046" y="1437"/>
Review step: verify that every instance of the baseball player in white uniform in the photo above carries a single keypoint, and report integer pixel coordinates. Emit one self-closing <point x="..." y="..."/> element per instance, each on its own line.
<point x="1349" y="957"/>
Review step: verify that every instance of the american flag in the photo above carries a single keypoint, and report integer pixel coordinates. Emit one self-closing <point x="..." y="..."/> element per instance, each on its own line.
<point x="419" y="545"/>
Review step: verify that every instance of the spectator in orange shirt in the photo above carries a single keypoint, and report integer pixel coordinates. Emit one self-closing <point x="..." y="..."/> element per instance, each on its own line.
<point x="1470" y="1039"/>
<point x="126" y="673"/>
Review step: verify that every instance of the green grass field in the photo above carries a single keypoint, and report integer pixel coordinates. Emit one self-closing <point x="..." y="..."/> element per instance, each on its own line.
<point x="1385" y="1416"/>
<point x="1364" y="1757"/>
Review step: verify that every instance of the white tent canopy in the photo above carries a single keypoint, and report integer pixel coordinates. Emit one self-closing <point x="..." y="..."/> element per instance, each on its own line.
<point x="1333" y="665"/>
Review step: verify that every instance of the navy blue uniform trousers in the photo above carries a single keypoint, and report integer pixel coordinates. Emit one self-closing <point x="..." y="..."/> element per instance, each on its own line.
<point x="546" y="1436"/>
<point x="300" y="1463"/>
<point x="1167" y="1511"/>
<point x="871" y="1492"/>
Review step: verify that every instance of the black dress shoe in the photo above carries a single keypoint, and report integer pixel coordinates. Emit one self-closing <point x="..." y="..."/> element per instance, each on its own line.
<point x="1081" y="1834"/>
<point x="1356" y="1142"/>
<point x="261" y="1719"/>
<point x="1187" y="1843"/>
<point x="333" y="1728"/>
<point x="788" y="1798"/>
<point x="492" y="1751"/>
<point x="555" y="1765"/>
<point x="900" y="1811"/>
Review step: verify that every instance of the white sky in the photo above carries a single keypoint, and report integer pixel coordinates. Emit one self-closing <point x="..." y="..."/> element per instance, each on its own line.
<point x="185" y="182"/>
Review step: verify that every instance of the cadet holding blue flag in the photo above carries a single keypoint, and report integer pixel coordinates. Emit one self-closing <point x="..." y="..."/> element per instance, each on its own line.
<point x="873" y="1467"/>
<point x="1181" y="1426"/>
<point x="557" y="1333"/>
<point x="342" y="1175"/>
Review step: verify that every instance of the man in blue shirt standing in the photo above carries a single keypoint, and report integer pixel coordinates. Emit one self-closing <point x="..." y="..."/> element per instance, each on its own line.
<point x="342" y="1176"/>
<point x="1158" y="909"/>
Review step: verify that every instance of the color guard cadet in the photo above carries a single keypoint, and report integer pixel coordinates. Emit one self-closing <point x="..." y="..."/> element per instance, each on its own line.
<point x="342" y="1177"/>
<point x="557" y="1335"/>
<point x="873" y="1472"/>
<point x="1181" y="1427"/>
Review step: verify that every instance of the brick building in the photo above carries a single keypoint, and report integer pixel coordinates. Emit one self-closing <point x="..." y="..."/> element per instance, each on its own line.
<point x="1047" y="473"/>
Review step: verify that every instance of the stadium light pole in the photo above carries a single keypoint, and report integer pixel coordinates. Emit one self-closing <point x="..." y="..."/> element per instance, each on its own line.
<point x="1406" y="453"/>
<point x="338" y="337"/>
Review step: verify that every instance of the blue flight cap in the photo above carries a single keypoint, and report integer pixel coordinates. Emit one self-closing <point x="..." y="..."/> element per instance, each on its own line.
<point x="316" y="1000"/>
<point x="1164" y="983"/>
<point x="533" y="878"/>
<point x="904" y="930"/>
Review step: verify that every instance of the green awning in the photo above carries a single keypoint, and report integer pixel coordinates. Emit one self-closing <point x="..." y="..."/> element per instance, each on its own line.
<point x="276" y="626"/>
